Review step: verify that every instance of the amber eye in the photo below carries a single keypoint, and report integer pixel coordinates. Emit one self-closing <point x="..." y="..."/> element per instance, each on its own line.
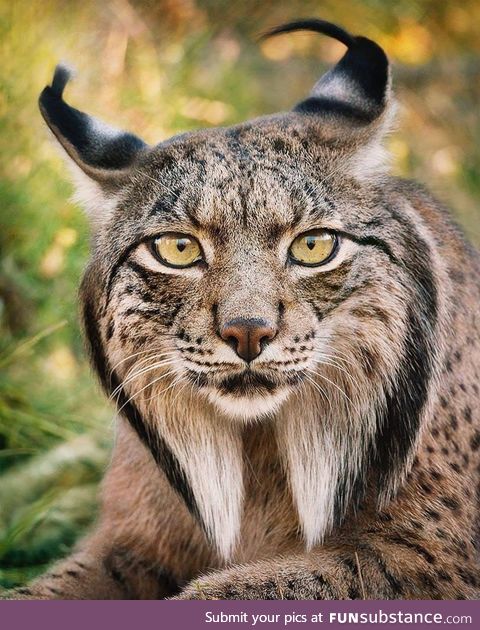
<point x="176" y="250"/>
<point x="313" y="248"/>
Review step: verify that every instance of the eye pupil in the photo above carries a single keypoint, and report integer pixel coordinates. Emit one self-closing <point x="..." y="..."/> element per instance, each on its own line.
<point x="181" y="244"/>
<point x="310" y="242"/>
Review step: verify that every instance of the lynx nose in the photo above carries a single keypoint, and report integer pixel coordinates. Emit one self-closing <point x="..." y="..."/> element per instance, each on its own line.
<point x="249" y="336"/>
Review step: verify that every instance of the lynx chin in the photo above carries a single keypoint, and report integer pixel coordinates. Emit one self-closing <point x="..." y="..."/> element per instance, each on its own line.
<point x="291" y="336"/>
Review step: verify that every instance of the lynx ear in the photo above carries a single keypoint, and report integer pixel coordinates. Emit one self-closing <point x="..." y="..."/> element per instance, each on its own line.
<point x="358" y="87"/>
<point x="101" y="155"/>
<point x="352" y="102"/>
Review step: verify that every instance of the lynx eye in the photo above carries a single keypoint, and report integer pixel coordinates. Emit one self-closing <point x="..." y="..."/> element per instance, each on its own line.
<point x="314" y="248"/>
<point x="176" y="250"/>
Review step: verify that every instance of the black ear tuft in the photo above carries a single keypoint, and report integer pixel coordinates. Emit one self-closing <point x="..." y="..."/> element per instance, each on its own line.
<point x="358" y="86"/>
<point x="319" y="26"/>
<point x="61" y="77"/>
<point x="95" y="147"/>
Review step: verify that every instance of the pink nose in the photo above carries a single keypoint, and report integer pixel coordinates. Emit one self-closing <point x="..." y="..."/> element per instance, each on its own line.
<point x="248" y="337"/>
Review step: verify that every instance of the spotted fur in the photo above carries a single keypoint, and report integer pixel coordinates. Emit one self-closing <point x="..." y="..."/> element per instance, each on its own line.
<point x="344" y="461"/>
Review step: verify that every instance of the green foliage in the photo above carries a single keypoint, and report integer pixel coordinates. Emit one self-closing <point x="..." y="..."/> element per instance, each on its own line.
<point x="158" y="68"/>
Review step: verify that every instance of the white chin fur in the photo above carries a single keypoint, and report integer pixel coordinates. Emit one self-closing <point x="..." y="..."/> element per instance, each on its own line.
<point x="248" y="407"/>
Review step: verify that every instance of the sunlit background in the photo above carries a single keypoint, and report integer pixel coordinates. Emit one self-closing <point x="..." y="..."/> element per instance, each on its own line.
<point x="157" y="68"/>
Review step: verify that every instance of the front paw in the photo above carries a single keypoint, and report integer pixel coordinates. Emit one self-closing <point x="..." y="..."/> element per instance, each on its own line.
<point x="204" y="589"/>
<point x="240" y="583"/>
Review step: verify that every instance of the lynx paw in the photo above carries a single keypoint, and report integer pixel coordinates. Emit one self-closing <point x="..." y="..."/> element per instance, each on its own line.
<point x="252" y="583"/>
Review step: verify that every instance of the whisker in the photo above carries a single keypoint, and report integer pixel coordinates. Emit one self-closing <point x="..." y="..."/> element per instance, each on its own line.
<point x="337" y="354"/>
<point x="139" y="373"/>
<point x="320" y="389"/>
<point x="177" y="380"/>
<point x="130" y="356"/>
<point x="148" y="368"/>
<point x="338" y="367"/>
<point x="331" y="383"/>
<point x="137" y="364"/>
<point x="159" y="378"/>
<point x="181" y="388"/>
<point x="156" y="358"/>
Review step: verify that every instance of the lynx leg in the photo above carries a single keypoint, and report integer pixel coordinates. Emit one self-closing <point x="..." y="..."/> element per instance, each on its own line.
<point x="100" y="572"/>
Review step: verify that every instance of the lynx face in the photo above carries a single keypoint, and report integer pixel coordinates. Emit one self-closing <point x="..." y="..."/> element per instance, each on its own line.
<point x="234" y="271"/>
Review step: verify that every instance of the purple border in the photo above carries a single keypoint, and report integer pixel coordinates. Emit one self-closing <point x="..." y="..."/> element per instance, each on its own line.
<point x="130" y="615"/>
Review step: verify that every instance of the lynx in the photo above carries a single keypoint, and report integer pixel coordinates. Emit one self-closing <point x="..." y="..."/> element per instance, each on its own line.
<point x="291" y="335"/>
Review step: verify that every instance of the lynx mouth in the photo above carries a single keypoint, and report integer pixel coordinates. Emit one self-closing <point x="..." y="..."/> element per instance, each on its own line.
<point x="246" y="383"/>
<point x="248" y="394"/>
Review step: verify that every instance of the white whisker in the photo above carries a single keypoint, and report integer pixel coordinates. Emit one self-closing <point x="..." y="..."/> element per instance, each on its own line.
<point x="338" y="367"/>
<point x="320" y="389"/>
<point x="331" y="383"/>
<point x="139" y="373"/>
<point x="127" y="358"/>
<point x="159" y="378"/>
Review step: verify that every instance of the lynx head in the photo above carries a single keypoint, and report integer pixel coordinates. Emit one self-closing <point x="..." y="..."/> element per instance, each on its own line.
<point x="258" y="273"/>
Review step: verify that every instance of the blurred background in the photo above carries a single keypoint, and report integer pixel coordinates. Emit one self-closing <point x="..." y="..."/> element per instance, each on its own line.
<point x="158" y="68"/>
